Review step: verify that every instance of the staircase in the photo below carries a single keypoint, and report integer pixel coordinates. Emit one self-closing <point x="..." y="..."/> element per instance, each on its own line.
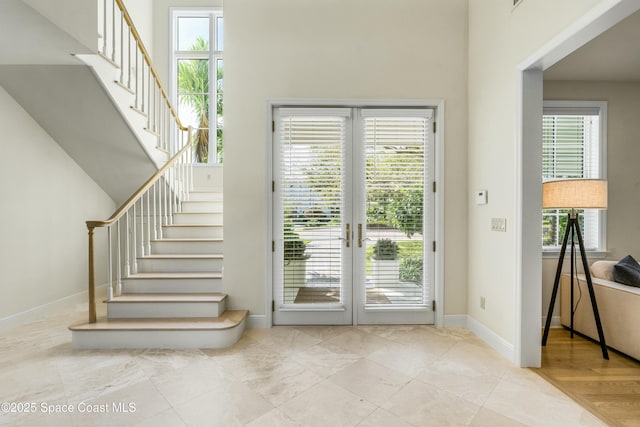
<point x="164" y="257"/>
<point x="173" y="300"/>
<point x="160" y="254"/>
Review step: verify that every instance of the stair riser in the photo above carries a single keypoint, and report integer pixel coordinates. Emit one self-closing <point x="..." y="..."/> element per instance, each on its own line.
<point x="192" y="232"/>
<point x="205" y="197"/>
<point x="196" y="218"/>
<point x="185" y="339"/>
<point x="178" y="265"/>
<point x="172" y="286"/>
<point x="187" y="248"/>
<point x="164" y="309"/>
<point x="191" y="206"/>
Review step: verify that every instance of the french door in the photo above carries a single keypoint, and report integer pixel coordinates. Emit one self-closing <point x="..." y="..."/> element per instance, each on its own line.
<point x="353" y="220"/>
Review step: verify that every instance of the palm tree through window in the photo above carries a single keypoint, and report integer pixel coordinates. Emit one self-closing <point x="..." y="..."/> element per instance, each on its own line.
<point x="197" y="70"/>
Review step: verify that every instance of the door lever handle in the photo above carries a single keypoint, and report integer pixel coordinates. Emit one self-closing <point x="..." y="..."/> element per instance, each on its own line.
<point x="359" y="235"/>
<point x="348" y="235"/>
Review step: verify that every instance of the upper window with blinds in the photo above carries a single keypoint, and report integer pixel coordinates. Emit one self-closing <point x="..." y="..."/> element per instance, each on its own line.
<point x="573" y="147"/>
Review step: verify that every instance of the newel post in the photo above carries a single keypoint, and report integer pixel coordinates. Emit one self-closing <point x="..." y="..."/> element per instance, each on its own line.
<point x="92" y="279"/>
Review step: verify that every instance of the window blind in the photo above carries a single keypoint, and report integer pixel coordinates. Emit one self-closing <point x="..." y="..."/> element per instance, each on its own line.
<point x="395" y="158"/>
<point x="312" y="190"/>
<point x="571" y="150"/>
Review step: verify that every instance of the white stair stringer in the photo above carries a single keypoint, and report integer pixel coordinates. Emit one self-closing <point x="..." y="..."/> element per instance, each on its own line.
<point x="174" y="298"/>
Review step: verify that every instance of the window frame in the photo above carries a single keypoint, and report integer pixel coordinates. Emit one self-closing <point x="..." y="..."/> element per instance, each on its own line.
<point x="582" y="107"/>
<point x="212" y="55"/>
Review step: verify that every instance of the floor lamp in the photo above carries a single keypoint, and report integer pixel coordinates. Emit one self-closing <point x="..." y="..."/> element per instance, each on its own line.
<point x="574" y="194"/>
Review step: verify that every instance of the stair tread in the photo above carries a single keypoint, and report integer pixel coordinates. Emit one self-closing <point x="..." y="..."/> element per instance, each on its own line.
<point x="198" y="213"/>
<point x="193" y="225"/>
<point x="182" y="256"/>
<point x="178" y="275"/>
<point x="226" y="320"/>
<point x="188" y="239"/>
<point x="169" y="297"/>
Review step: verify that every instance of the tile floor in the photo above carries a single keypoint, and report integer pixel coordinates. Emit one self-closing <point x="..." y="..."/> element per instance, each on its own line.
<point x="285" y="376"/>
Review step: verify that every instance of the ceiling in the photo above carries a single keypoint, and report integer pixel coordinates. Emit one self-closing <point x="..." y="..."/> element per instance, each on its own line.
<point x="612" y="56"/>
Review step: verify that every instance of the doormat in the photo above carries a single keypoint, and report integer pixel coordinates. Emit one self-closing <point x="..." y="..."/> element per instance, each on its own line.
<point x="317" y="295"/>
<point x="309" y="295"/>
<point x="377" y="296"/>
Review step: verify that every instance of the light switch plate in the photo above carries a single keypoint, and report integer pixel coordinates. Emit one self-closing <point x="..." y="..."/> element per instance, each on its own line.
<point x="499" y="224"/>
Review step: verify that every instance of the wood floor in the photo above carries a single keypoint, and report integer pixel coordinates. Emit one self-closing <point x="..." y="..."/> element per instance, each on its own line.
<point x="610" y="388"/>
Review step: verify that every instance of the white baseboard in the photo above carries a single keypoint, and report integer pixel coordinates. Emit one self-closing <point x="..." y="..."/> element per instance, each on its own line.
<point x="257" y="321"/>
<point x="498" y="343"/>
<point x="43" y="310"/>
<point x="555" y="321"/>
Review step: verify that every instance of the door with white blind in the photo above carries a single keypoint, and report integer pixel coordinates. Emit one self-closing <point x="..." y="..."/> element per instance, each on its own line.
<point x="352" y="224"/>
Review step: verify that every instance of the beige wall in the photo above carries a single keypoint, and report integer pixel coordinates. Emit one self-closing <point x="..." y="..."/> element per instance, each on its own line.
<point x="141" y="12"/>
<point x="623" y="174"/>
<point x="358" y="49"/>
<point x="500" y="38"/>
<point x="46" y="199"/>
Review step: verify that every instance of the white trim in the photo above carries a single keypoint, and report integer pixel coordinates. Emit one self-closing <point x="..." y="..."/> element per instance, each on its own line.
<point x="354" y="103"/>
<point x="555" y="321"/>
<point x="435" y="103"/>
<point x="597" y="20"/>
<point x="311" y="112"/>
<point x="528" y="279"/>
<point x="268" y="218"/>
<point x="439" y="214"/>
<point x="499" y="344"/>
<point x="578" y="107"/>
<point x="591" y="255"/>
<point x="258" y="321"/>
<point x="584" y="108"/>
<point x="426" y="113"/>
<point x="212" y="55"/>
<point x="37" y="313"/>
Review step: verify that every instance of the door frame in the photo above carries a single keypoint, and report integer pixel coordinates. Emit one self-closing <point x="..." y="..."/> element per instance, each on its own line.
<point x="438" y="106"/>
<point x="529" y="81"/>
